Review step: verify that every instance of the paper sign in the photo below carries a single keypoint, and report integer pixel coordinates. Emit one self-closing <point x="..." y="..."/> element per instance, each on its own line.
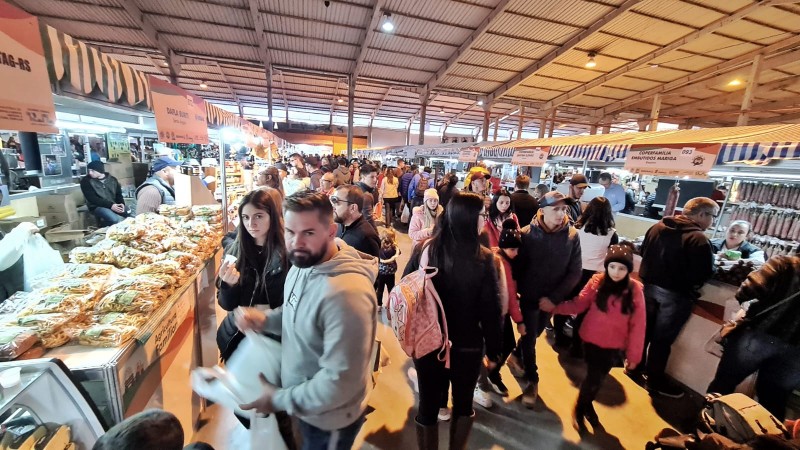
<point x="180" y="115"/>
<point x="469" y="154"/>
<point x="26" y="103"/>
<point x="687" y="160"/>
<point x="535" y="156"/>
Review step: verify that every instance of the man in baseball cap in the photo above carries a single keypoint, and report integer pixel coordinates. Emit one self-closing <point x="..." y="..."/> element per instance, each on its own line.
<point x="158" y="189"/>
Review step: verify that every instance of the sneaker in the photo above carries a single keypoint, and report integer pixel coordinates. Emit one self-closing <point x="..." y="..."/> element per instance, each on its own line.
<point x="482" y="398"/>
<point x="665" y="389"/>
<point x="444" y="414"/>
<point x="496" y="381"/>
<point x="530" y="395"/>
<point x="637" y="376"/>
<point x="515" y="366"/>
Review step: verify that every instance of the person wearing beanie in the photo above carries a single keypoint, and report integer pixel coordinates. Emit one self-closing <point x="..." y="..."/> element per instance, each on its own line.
<point x="615" y="321"/>
<point x="103" y="195"/>
<point x="424" y="217"/>
<point x="509" y="242"/>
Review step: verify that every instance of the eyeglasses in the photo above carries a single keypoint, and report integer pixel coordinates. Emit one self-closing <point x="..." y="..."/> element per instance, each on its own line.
<point x="335" y="200"/>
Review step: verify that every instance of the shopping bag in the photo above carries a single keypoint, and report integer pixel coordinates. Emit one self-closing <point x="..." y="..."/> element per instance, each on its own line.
<point x="377" y="213"/>
<point x="238" y="381"/>
<point x="39" y="259"/>
<point x="264" y="432"/>
<point x="405" y="217"/>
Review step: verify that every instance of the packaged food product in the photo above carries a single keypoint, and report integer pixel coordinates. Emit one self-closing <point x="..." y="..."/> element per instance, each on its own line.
<point x="97" y="254"/>
<point x="128" y="302"/>
<point x="144" y="282"/>
<point x="174" y="210"/>
<point x="106" y="335"/>
<point x="167" y="267"/>
<point x="72" y="286"/>
<point x="181" y="243"/>
<point x="147" y="245"/>
<point x="206" y="210"/>
<point x="186" y="260"/>
<point x="153" y="219"/>
<point x="120" y="319"/>
<point x="125" y="231"/>
<point x="16" y="303"/>
<point x="56" y="338"/>
<point x="88" y="270"/>
<point x="130" y="257"/>
<point x="46" y="303"/>
<point x="14" y="341"/>
<point x="44" y="323"/>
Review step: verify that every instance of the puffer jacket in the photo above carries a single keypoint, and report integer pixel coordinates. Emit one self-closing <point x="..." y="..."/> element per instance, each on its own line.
<point x="775" y="281"/>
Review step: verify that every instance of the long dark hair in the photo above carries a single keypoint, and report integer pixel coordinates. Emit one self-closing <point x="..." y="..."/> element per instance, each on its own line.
<point x="609" y="287"/>
<point x="244" y="247"/>
<point x="455" y="235"/>
<point x="494" y="213"/>
<point x="597" y="218"/>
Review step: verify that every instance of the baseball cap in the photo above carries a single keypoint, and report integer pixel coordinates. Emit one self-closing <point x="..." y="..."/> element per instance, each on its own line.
<point x="163" y="162"/>
<point x="579" y="181"/>
<point x="553" y="198"/>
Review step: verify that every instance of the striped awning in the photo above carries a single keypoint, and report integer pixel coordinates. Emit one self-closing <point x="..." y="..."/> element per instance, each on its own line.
<point x="746" y="152"/>
<point x="86" y="69"/>
<point x="596" y="152"/>
<point x="757" y="152"/>
<point x="780" y="150"/>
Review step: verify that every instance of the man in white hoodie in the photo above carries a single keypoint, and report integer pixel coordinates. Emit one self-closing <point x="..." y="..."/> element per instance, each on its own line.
<point x="327" y="326"/>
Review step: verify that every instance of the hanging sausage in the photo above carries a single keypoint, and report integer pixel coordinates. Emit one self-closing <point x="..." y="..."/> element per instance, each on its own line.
<point x="672" y="200"/>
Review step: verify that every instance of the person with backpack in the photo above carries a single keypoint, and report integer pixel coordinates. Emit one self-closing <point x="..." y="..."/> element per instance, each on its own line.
<point x="615" y="321"/>
<point x="424" y="217"/>
<point x="419" y="184"/>
<point x="467" y="283"/>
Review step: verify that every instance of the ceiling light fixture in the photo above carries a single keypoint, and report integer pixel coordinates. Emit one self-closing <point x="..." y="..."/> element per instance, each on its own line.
<point x="441" y="111"/>
<point x="654" y="66"/>
<point x="480" y="102"/>
<point x="340" y="100"/>
<point x="165" y="64"/>
<point x="387" y="25"/>
<point x="203" y="85"/>
<point x="735" y="82"/>
<point x="591" y="63"/>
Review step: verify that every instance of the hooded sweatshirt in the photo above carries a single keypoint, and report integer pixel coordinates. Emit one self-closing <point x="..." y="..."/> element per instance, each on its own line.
<point x="550" y="262"/>
<point x="327" y="326"/>
<point x="676" y="256"/>
<point x="341" y="176"/>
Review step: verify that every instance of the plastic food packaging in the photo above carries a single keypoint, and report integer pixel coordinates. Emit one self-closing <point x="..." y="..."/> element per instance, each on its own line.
<point x="128" y="302"/>
<point x="48" y="303"/>
<point x="165" y="267"/>
<point x="97" y="254"/>
<point x="125" y="231"/>
<point x="207" y="210"/>
<point x="44" y="323"/>
<point x="120" y="319"/>
<point x="131" y="258"/>
<point x="14" y="341"/>
<point x="106" y="335"/>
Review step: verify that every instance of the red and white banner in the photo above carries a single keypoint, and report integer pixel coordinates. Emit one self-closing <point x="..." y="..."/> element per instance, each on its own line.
<point x="680" y="160"/>
<point x="530" y="156"/>
<point x="26" y="102"/>
<point x="180" y="115"/>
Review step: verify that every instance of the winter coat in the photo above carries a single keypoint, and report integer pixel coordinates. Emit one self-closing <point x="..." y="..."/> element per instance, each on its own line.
<point x="676" y="256"/>
<point x="341" y="176"/>
<point x="493" y="231"/>
<point x="611" y="329"/>
<point x="360" y="235"/>
<point x="103" y="193"/>
<point x="550" y="263"/>
<point x="748" y="250"/>
<point x="327" y="326"/>
<point x="511" y="286"/>
<point x="775" y="281"/>
<point x="405" y="181"/>
<point x="370" y="200"/>
<point x="525" y="206"/>
<point x="250" y="291"/>
<point x="416" y="228"/>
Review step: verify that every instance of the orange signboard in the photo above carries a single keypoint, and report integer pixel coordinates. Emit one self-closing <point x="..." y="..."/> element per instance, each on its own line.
<point x="180" y="115"/>
<point x="26" y="103"/>
<point x="685" y="160"/>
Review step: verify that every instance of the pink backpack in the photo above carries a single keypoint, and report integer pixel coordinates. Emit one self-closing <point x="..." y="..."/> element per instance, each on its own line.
<point x="414" y="309"/>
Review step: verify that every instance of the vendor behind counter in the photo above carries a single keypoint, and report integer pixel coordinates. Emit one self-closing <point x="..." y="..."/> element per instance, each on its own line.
<point x="734" y="245"/>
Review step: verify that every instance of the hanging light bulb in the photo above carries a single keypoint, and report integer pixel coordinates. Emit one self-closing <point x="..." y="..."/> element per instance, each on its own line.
<point x="203" y="85"/>
<point x="735" y="82"/>
<point x="480" y="102"/>
<point x="340" y="100"/>
<point x="387" y="25"/>
<point x="591" y="63"/>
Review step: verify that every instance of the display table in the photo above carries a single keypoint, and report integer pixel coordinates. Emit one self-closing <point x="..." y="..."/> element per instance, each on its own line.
<point x="125" y="380"/>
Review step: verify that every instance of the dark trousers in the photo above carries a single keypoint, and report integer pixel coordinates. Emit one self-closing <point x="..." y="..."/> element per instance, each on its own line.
<point x="391" y="209"/>
<point x="535" y="321"/>
<point x="599" y="362"/>
<point x="384" y="280"/>
<point x="777" y="363"/>
<point x="318" y="439"/>
<point x="106" y="217"/>
<point x="509" y="343"/>
<point x="667" y="313"/>
<point x="433" y="380"/>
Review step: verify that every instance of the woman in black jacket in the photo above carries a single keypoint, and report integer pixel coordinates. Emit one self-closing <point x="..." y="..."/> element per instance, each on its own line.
<point x="467" y="282"/>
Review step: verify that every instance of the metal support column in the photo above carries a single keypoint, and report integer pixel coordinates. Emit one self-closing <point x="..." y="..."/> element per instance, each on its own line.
<point x="271" y="120"/>
<point x="485" y="129"/>
<point x="423" y="111"/>
<point x="351" y="97"/>
<point x="224" y="182"/>
<point x="521" y="120"/>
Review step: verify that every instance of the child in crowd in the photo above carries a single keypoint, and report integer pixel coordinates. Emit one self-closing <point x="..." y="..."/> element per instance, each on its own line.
<point x="387" y="264"/>
<point x="615" y="322"/>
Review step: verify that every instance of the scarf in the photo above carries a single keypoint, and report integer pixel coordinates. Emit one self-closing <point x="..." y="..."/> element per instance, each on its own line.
<point x="429" y="217"/>
<point x="538" y="221"/>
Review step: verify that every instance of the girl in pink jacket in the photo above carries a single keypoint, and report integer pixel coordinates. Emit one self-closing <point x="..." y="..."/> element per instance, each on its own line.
<point x="615" y="322"/>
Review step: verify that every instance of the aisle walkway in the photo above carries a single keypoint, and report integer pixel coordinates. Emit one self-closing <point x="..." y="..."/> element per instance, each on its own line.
<point x="629" y="415"/>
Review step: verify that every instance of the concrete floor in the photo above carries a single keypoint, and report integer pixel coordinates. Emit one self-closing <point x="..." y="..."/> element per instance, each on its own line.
<point x="629" y="415"/>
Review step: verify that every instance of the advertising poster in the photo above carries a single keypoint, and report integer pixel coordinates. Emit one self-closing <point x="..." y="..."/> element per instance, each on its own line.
<point x="118" y="146"/>
<point x="469" y="154"/>
<point x="26" y="103"/>
<point x="530" y="156"/>
<point x="51" y="165"/>
<point x="684" y="160"/>
<point x="180" y="115"/>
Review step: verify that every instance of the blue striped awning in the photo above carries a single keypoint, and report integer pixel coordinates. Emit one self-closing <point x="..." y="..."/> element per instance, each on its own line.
<point x="597" y="152"/>
<point x="780" y="150"/>
<point x="758" y="152"/>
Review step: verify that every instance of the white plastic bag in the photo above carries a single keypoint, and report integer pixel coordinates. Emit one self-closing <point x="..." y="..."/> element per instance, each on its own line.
<point x="405" y="216"/>
<point x="39" y="258"/>
<point x="264" y="433"/>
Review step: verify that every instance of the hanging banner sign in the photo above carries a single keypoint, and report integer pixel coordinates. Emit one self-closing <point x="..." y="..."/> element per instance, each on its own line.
<point x="469" y="154"/>
<point x="530" y="156"/>
<point x="26" y="103"/>
<point x="180" y="115"/>
<point x="681" y="160"/>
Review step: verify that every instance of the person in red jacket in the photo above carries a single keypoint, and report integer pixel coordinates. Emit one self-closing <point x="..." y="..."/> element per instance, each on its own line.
<point x="615" y="321"/>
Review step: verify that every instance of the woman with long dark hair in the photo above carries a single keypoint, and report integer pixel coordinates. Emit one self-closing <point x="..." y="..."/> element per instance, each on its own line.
<point x="257" y="277"/>
<point x="500" y="210"/>
<point x="467" y="282"/>
<point x="447" y="189"/>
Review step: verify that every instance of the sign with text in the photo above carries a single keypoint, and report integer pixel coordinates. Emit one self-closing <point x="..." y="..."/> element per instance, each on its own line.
<point x="680" y="160"/>
<point x="26" y="103"/>
<point x="469" y="154"/>
<point x="180" y="115"/>
<point x="530" y="156"/>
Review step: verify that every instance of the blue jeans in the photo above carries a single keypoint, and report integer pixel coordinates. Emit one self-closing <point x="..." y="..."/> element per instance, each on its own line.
<point x="535" y="321"/>
<point x="777" y="363"/>
<point x="667" y="313"/>
<point x="106" y="217"/>
<point x="318" y="439"/>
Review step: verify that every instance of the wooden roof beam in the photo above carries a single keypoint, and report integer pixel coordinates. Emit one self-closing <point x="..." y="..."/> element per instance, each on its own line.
<point x="735" y="97"/>
<point x="437" y="77"/>
<point x="153" y="35"/>
<point x="793" y="118"/>
<point x="674" y="45"/>
<point x="569" y="45"/>
<point x="261" y="37"/>
<point x="366" y="37"/>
